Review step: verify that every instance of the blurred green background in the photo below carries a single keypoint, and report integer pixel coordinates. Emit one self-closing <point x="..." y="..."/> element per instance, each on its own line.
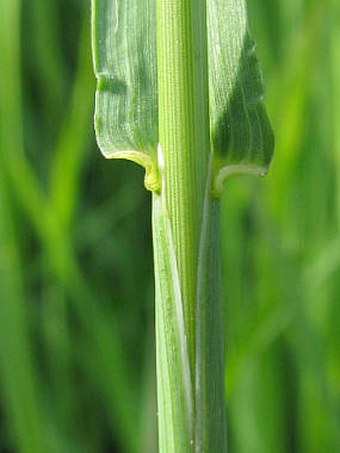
<point x="76" y="283"/>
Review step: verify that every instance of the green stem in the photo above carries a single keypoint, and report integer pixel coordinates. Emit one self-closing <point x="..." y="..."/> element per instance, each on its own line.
<point x="185" y="228"/>
<point x="184" y="133"/>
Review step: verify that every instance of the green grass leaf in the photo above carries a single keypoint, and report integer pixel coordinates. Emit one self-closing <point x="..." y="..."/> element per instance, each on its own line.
<point x="126" y="118"/>
<point x="124" y="48"/>
<point x="241" y="136"/>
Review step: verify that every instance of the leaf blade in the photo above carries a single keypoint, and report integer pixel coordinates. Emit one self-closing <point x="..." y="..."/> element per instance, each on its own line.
<point x="241" y="136"/>
<point x="126" y="115"/>
<point x="124" y="51"/>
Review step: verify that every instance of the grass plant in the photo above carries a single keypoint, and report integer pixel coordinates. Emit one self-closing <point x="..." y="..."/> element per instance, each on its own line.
<point x="179" y="91"/>
<point x="77" y="369"/>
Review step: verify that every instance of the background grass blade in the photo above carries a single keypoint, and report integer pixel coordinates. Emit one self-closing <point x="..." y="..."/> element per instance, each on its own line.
<point x="18" y="367"/>
<point x="19" y="380"/>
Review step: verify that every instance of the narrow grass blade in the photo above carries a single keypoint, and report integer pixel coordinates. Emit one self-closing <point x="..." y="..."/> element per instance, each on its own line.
<point x="19" y="378"/>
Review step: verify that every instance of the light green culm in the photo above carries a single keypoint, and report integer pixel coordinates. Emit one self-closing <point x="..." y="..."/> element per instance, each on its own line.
<point x="180" y="92"/>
